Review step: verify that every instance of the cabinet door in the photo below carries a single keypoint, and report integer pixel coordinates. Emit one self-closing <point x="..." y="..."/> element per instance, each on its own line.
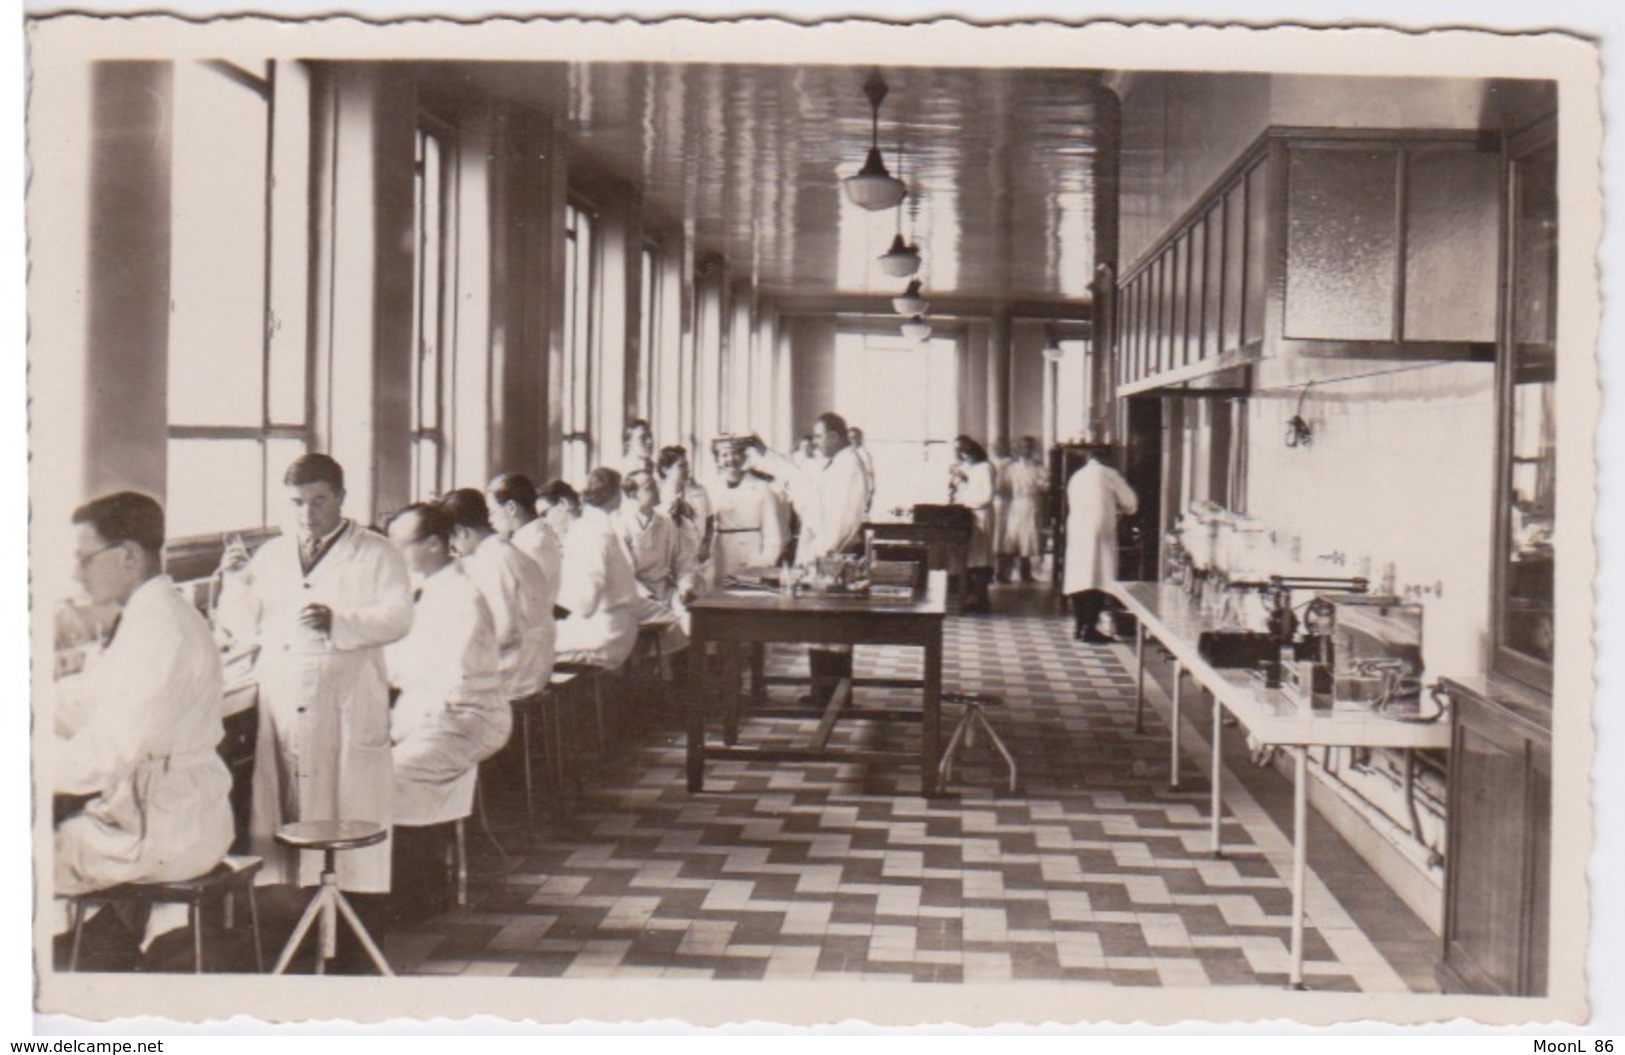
<point x="1489" y="886"/>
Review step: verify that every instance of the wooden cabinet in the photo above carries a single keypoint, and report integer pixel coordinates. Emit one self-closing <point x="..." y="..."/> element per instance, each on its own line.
<point x="1321" y="242"/>
<point x="1498" y="859"/>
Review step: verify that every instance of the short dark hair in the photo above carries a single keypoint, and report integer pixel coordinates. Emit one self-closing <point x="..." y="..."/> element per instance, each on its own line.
<point x="314" y="469"/>
<point x="977" y="452"/>
<point x="126" y="516"/>
<point x="466" y="507"/>
<point x="432" y="521"/>
<point x="832" y="422"/>
<point x="558" y="491"/>
<point x="602" y="484"/>
<point x="516" y="488"/>
<point x="635" y="425"/>
<point x="669" y="457"/>
<point x="630" y="482"/>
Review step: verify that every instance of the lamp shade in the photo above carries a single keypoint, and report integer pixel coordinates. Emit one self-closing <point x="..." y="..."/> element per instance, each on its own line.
<point x="873" y="187"/>
<point x="911" y="302"/>
<point x="916" y="329"/>
<point x="900" y="260"/>
<point x="1054" y="352"/>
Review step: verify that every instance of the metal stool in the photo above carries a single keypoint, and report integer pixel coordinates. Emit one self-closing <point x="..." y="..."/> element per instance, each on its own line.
<point x="223" y="881"/>
<point x="965" y="734"/>
<point x="589" y="675"/>
<point x="329" y="902"/>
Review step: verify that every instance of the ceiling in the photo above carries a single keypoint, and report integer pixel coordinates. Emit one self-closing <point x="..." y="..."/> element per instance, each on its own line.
<point x="998" y="162"/>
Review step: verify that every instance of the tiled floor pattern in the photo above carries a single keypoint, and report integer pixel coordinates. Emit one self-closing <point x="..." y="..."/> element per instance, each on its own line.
<point x="1095" y="873"/>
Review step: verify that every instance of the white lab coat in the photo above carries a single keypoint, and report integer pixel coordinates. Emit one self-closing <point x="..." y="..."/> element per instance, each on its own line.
<point x="1001" y="500"/>
<point x="521" y="608"/>
<point x="750" y="528"/>
<point x="663" y="564"/>
<point x="323" y="748"/>
<point x="536" y="540"/>
<point x="1095" y="497"/>
<point x="829" y="496"/>
<point x="1021" y="532"/>
<point x="452" y="713"/>
<point x="598" y="588"/>
<point x="974" y="490"/>
<point x="139" y="729"/>
<point x="866" y="462"/>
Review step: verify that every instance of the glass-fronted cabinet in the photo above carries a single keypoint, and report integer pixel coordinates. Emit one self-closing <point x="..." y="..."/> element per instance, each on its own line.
<point x="1523" y="585"/>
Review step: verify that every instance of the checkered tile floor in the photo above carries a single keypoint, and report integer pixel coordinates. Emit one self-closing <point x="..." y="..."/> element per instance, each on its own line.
<point x="1095" y="872"/>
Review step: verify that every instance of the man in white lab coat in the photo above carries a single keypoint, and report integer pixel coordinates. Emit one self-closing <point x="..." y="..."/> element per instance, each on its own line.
<point x="829" y="492"/>
<point x="750" y="527"/>
<point x="597" y="587"/>
<point x="512" y="498"/>
<point x="322" y="601"/>
<point x="662" y="558"/>
<point x="137" y="731"/>
<point x="513" y="586"/>
<point x="1096" y="496"/>
<point x="452" y="712"/>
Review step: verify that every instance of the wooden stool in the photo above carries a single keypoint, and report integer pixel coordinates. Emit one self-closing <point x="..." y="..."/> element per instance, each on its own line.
<point x="965" y="733"/>
<point x="222" y="881"/>
<point x="546" y="709"/>
<point x="588" y="675"/>
<point x="329" y="902"/>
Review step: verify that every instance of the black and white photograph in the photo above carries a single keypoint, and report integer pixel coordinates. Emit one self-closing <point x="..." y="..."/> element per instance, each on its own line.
<point x="899" y="522"/>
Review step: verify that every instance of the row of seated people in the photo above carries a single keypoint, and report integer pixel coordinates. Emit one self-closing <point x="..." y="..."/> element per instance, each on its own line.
<point x="340" y="628"/>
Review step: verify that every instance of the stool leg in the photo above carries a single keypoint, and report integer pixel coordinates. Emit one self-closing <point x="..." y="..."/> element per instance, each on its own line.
<point x="78" y="914"/>
<point x="460" y="850"/>
<point x="360" y="930"/>
<point x="196" y="916"/>
<point x="530" y="788"/>
<point x="998" y="745"/>
<point x="945" y="769"/>
<point x="299" y="932"/>
<point x="254" y="922"/>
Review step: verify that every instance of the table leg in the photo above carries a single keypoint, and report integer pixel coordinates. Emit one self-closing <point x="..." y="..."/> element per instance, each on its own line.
<point x="1173" y="763"/>
<point x="1300" y="858"/>
<point x="730" y="692"/>
<point x="1139" y="678"/>
<point x="696" y="716"/>
<point x="931" y="718"/>
<point x="758" y="672"/>
<point x="1216" y="777"/>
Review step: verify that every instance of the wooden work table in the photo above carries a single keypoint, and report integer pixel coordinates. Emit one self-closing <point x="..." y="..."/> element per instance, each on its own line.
<point x="741" y="617"/>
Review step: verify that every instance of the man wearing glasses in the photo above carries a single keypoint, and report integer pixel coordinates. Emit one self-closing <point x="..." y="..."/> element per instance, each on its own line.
<point x="136" y="732"/>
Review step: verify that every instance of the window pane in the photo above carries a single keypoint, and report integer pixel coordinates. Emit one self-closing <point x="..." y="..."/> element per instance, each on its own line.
<point x="214" y="486"/>
<point x="1252" y="319"/>
<point x="1341" y="244"/>
<point x="426" y="468"/>
<point x="217" y="251"/>
<point x="279" y="454"/>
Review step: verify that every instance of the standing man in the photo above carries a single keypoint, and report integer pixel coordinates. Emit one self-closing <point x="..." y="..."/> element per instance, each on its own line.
<point x="136" y="732"/>
<point x="637" y="446"/>
<point x="513" y="586"/>
<point x="322" y="600"/>
<point x="1022" y="530"/>
<point x="829" y="492"/>
<point x="1096" y="496"/>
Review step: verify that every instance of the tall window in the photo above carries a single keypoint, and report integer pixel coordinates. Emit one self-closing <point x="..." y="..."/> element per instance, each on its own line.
<point x="580" y="249"/>
<point x="237" y="399"/>
<point x="905" y="397"/>
<point x="431" y="375"/>
<point x="1067" y="410"/>
<point x="649" y="333"/>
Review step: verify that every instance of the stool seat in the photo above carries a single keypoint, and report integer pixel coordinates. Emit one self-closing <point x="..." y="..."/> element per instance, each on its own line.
<point x="560" y="678"/>
<point x="574" y="669"/>
<point x="331" y="834"/>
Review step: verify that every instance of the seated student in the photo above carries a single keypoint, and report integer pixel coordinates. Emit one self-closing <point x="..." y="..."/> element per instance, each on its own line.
<point x="559" y="507"/>
<point x="513" y="586"/>
<point x="136" y="731"/>
<point x="451" y="713"/>
<point x="662" y="560"/>
<point x="597" y="586"/>
<point x="512" y="498"/>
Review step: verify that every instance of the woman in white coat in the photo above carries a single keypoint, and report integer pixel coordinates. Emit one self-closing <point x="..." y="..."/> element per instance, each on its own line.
<point x="1096" y="496"/>
<point x="971" y="485"/>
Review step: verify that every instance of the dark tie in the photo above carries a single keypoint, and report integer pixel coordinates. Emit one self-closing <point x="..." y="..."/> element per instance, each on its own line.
<point x="309" y="547"/>
<point x="112" y="630"/>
